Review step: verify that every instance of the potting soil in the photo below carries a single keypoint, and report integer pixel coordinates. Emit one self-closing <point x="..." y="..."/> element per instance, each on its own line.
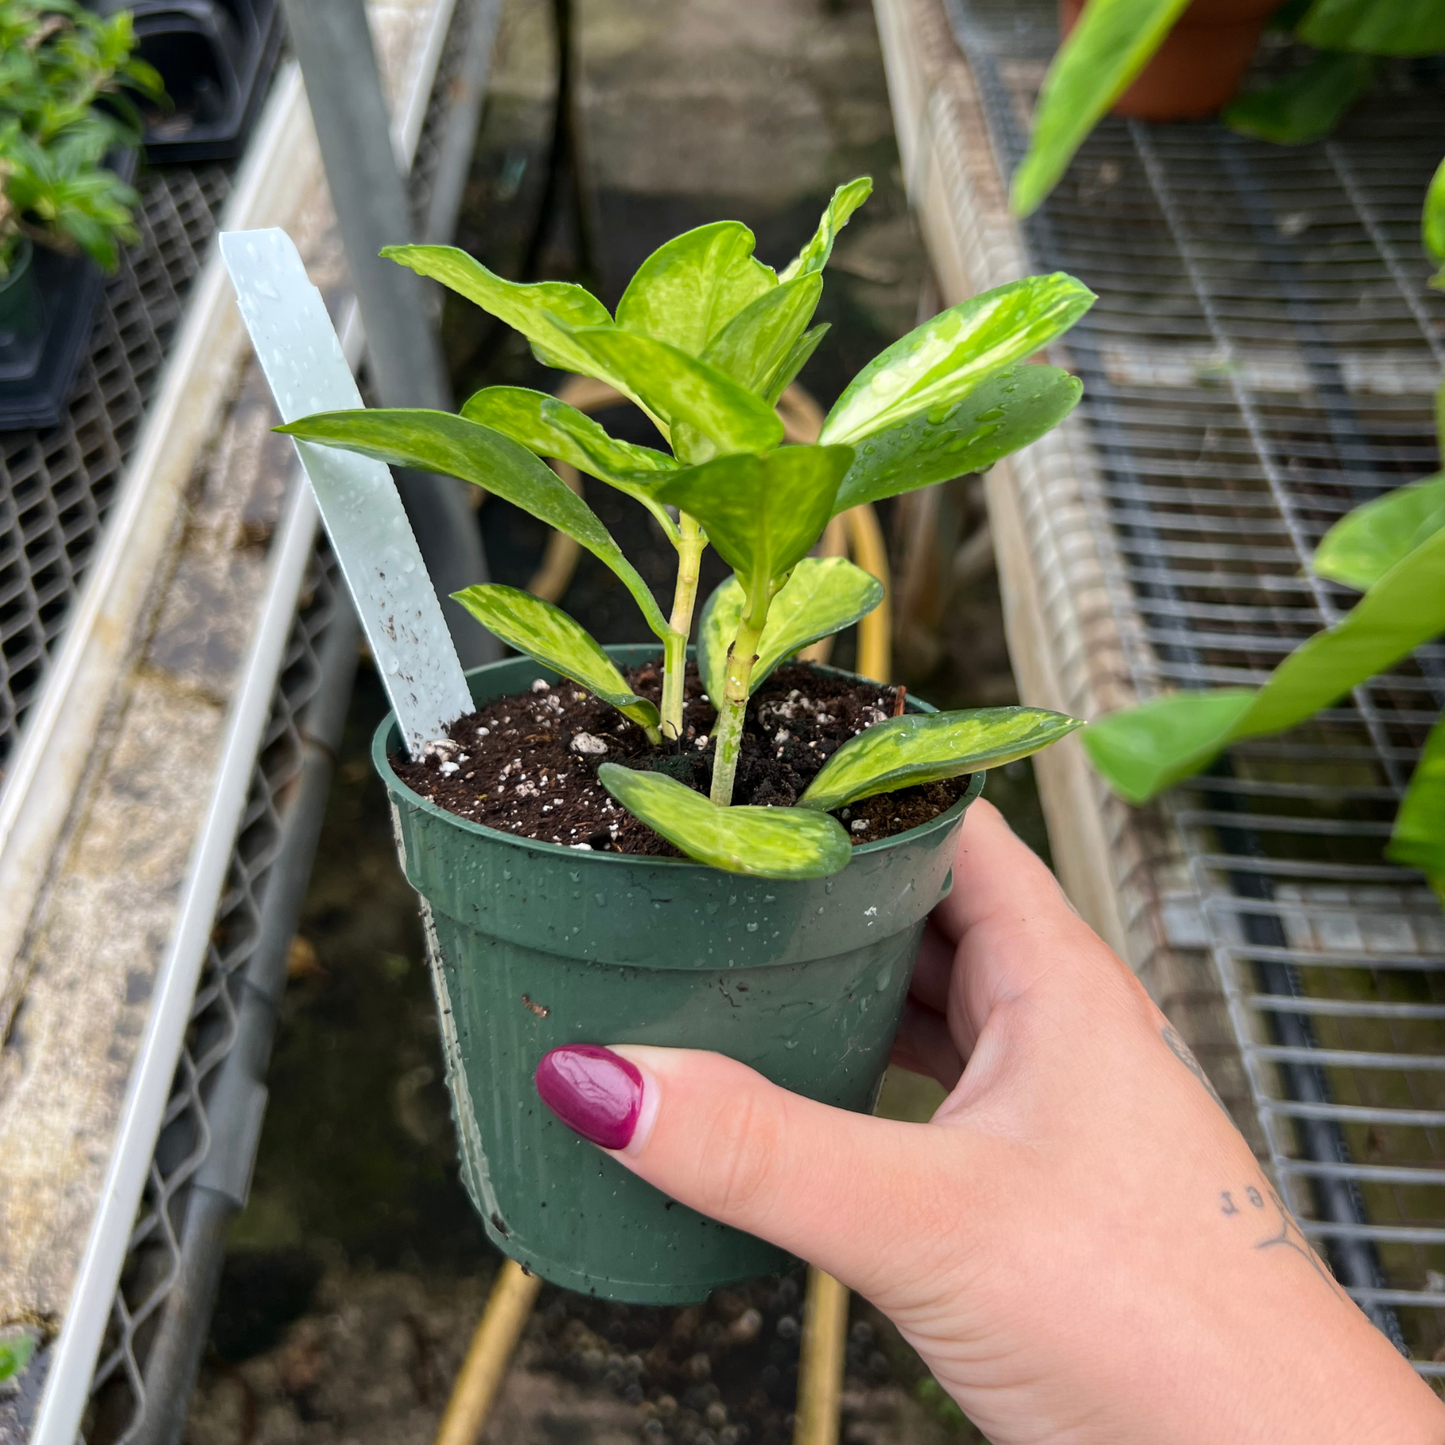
<point x="527" y="764"/>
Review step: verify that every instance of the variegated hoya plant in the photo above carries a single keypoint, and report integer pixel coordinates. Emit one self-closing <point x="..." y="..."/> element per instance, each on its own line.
<point x="705" y="340"/>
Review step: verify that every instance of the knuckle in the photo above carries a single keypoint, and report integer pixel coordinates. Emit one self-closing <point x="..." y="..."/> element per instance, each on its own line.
<point x="740" y="1157"/>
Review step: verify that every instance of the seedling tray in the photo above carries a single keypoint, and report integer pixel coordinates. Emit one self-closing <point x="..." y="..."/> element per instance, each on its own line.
<point x="236" y="41"/>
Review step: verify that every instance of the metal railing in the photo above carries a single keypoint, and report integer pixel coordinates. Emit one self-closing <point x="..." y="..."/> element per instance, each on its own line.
<point x="56" y="485"/>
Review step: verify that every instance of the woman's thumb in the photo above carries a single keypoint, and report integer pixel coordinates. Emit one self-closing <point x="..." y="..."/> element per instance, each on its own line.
<point x="717" y="1136"/>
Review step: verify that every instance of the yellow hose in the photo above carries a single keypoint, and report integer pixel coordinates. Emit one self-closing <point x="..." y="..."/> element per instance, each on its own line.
<point x="820" y="1368"/>
<point x="856" y="531"/>
<point x="488" y="1355"/>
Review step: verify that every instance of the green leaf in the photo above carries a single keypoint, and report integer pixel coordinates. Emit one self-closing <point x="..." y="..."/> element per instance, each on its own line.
<point x="551" y="428"/>
<point x="763" y="514"/>
<point x="437" y="441"/>
<point x="921" y="748"/>
<point x="549" y="636"/>
<point x="545" y="312"/>
<point x="1377" y="27"/>
<point x="1432" y="227"/>
<point x="1405" y="608"/>
<point x="823" y="596"/>
<point x="681" y="390"/>
<point x="1112" y="42"/>
<point x="765" y="842"/>
<point x="691" y="287"/>
<point x="1144" y="749"/>
<point x="1365" y="544"/>
<point x="759" y="341"/>
<point x="814" y="256"/>
<point x="793" y="363"/>
<point x="1307" y="104"/>
<point x="17" y="1346"/>
<point x="953" y="354"/>
<point x="1418" y="838"/>
<point x="1007" y="412"/>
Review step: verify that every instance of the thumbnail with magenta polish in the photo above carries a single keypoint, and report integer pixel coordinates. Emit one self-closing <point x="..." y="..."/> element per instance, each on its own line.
<point x="592" y="1090"/>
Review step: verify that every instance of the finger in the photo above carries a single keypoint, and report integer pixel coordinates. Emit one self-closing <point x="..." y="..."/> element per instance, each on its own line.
<point x="718" y="1137"/>
<point x="925" y="1046"/>
<point x="993" y="870"/>
<point x="933" y="969"/>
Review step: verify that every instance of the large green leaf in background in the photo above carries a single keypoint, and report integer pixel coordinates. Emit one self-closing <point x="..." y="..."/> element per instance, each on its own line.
<point x="545" y="312"/>
<point x="946" y="358"/>
<point x="693" y="285"/>
<point x="1110" y="45"/>
<point x="1144" y="749"/>
<point x="549" y="636"/>
<point x="1363" y="545"/>
<point x="550" y="428"/>
<point x="1306" y="104"/>
<point x="438" y="441"/>
<point x="823" y="596"/>
<point x="1432" y="229"/>
<point x="814" y="256"/>
<point x="922" y="748"/>
<point x="1007" y="412"/>
<point x="765" y="842"/>
<point x="763" y="514"/>
<point x="680" y="390"/>
<point x="754" y="346"/>
<point x="1376" y="27"/>
<point x="1418" y="839"/>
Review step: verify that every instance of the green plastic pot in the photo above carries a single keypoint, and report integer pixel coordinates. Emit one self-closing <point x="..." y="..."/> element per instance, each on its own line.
<point x="533" y="945"/>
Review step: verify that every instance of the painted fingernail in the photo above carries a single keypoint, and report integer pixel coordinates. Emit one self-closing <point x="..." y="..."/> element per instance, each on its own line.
<point x="592" y="1090"/>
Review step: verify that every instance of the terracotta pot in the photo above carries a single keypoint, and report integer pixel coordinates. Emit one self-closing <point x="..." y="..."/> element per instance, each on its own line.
<point x="1199" y="66"/>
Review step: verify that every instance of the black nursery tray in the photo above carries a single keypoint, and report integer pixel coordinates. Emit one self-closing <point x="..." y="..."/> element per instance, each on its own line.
<point x="215" y="58"/>
<point x="70" y="289"/>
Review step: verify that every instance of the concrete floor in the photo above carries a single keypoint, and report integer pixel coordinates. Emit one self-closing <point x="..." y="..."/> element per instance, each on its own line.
<point x="358" y="1270"/>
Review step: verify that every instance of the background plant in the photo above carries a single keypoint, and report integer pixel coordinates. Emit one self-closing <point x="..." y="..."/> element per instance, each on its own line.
<point x="64" y="78"/>
<point x="1115" y="39"/>
<point x="1392" y="550"/>
<point x="705" y="339"/>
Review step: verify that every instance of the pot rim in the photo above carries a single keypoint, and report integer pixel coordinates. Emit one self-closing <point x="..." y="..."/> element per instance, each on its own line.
<point x="381" y="761"/>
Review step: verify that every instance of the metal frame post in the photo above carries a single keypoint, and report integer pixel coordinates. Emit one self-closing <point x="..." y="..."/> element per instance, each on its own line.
<point x="333" y="43"/>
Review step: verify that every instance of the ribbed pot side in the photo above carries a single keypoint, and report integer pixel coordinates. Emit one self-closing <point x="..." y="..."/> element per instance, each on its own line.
<point x="532" y="945"/>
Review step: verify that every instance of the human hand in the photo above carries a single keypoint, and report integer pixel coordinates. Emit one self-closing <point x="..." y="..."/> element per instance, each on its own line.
<point x="1080" y="1245"/>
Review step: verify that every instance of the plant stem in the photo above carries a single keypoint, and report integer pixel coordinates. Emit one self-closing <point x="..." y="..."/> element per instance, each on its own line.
<point x="727" y="735"/>
<point x="690" y="545"/>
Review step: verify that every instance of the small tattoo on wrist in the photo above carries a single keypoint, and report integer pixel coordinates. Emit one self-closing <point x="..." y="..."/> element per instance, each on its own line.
<point x="1181" y="1051"/>
<point x="1272" y="1214"/>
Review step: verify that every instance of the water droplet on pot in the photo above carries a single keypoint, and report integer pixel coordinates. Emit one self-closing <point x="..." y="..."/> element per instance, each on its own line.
<point x="769" y="898"/>
<point x="820" y="910"/>
<point x="752" y="928"/>
<point x="712" y="908"/>
<point x="601" y="899"/>
<point x="885" y="977"/>
<point x="791" y="1044"/>
<point x="828" y="886"/>
<point x="506" y="874"/>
